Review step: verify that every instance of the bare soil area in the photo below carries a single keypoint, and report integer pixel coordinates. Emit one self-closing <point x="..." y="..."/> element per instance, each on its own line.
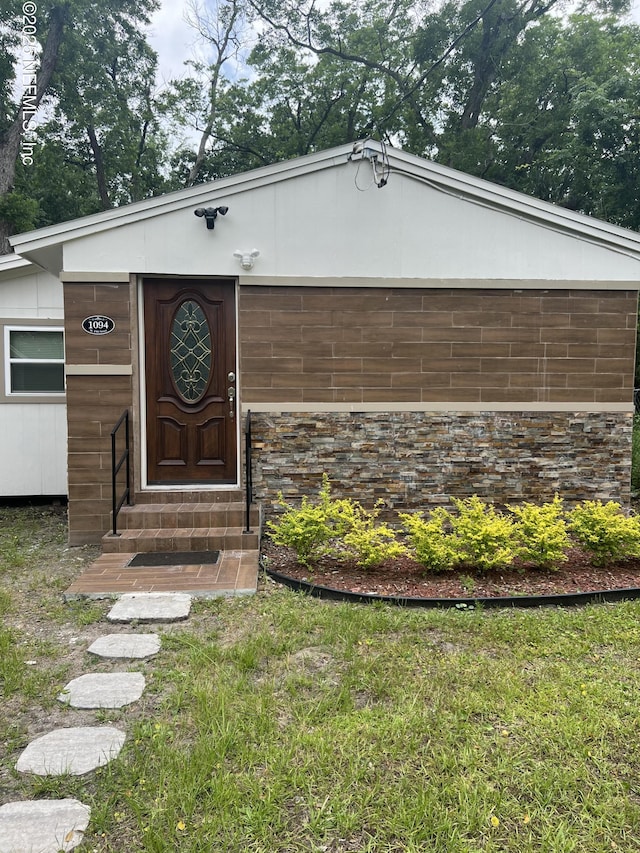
<point x="407" y="578"/>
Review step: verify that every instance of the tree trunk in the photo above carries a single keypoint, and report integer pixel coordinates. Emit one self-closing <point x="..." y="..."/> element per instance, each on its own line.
<point x="10" y="140"/>
<point x="101" y="176"/>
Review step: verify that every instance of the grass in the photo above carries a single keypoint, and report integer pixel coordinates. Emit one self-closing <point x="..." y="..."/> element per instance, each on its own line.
<point x="284" y="723"/>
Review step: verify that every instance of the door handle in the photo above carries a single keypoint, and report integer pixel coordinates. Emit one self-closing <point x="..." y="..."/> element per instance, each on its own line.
<point x="231" y="391"/>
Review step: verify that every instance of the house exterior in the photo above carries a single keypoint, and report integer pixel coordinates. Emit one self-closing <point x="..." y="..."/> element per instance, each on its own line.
<point x="412" y="331"/>
<point x="33" y="449"/>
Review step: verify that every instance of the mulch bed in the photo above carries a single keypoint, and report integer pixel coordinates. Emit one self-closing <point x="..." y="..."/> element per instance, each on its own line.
<point x="407" y="578"/>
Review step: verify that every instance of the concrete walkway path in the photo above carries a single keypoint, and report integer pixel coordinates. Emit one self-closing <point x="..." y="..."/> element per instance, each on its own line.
<point x="49" y="826"/>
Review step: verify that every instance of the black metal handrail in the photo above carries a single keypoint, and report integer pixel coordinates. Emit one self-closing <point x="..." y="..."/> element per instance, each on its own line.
<point x="248" y="475"/>
<point x="116" y="505"/>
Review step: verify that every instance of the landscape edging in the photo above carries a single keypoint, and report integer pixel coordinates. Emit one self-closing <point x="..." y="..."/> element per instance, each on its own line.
<point x="570" y="599"/>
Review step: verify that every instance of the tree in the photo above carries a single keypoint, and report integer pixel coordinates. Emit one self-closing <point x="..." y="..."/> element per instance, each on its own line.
<point x="565" y="125"/>
<point x="65" y="31"/>
<point x="225" y="31"/>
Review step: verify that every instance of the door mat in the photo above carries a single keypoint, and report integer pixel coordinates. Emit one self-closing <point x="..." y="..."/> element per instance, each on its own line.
<point x="175" y="558"/>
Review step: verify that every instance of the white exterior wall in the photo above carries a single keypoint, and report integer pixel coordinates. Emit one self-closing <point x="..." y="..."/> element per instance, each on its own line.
<point x="33" y="449"/>
<point x="320" y="225"/>
<point x="30" y="293"/>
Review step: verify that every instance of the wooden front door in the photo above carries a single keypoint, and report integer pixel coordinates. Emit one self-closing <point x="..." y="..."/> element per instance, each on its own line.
<point x="190" y="362"/>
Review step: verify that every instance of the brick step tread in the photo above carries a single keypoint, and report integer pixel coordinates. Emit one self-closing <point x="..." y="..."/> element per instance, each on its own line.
<point x="179" y="531"/>
<point x="191" y="496"/>
<point x="186" y="515"/>
<point x="181" y="539"/>
<point x="187" y="506"/>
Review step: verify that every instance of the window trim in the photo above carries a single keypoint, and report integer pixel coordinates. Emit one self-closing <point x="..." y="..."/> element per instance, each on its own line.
<point x="8" y="361"/>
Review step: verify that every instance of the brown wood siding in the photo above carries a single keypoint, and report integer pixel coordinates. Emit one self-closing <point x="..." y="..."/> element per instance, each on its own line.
<point x="353" y="345"/>
<point x="94" y="403"/>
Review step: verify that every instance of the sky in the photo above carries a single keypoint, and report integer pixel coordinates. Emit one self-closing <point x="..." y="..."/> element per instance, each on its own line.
<point x="174" y="40"/>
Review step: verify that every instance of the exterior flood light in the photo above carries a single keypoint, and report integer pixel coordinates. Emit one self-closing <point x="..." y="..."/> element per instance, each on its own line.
<point x="210" y="214"/>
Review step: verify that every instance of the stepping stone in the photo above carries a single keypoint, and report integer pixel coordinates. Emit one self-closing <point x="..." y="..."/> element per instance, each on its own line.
<point x="150" y="607"/>
<point x="42" y="826"/>
<point x="103" y="690"/>
<point x="74" y="751"/>
<point x="126" y="646"/>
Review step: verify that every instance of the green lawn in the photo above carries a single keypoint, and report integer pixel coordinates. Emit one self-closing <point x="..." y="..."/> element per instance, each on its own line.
<point x="284" y="723"/>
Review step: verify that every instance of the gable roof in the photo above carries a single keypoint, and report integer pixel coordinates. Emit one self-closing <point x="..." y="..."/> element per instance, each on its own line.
<point x="44" y="246"/>
<point x="10" y="264"/>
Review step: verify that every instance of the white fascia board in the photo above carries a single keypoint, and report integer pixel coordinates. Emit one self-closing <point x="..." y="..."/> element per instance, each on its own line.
<point x="15" y="266"/>
<point x="11" y="263"/>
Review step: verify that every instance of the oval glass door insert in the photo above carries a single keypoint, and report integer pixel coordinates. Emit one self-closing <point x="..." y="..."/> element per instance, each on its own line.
<point x="190" y="357"/>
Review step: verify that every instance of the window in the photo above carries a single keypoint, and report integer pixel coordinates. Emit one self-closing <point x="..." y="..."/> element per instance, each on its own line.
<point x="34" y="360"/>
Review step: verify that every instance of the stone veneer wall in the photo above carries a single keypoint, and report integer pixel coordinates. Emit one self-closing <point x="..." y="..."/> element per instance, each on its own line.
<point x="419" y="459"/>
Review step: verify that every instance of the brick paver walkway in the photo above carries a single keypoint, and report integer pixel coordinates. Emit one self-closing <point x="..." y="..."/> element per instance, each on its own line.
<point x="235" y="573"/>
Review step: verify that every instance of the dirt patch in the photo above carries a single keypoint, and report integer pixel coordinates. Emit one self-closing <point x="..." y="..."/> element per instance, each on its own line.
<point x="406" y="578"/>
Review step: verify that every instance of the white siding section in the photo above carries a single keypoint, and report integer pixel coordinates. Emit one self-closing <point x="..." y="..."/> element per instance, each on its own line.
<point x="36" y="294"/>
<point x="33" y="450"/>
<point x="321" y="224"/>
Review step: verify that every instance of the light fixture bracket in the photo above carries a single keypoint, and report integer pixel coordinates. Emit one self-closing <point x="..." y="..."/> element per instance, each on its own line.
<point x="211" y="214"/>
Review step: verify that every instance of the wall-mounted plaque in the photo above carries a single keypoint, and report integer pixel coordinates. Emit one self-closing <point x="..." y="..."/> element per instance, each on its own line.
<point x="98" y="325"/>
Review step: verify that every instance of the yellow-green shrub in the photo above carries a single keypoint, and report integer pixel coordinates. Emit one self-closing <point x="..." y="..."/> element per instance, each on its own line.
<point x="541" y="533"/>
<point x="605" y="531"/>
<point x="475" y="535"/>
<point x="340" y="527"/>
<point x="308" y="528"/>
<point x="434" y="547"/>
<point x="368" y="541"/>
<point x="484" y="537"/>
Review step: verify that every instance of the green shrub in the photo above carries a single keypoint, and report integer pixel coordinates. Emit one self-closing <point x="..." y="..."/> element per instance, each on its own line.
<point x="342" y="528"/>
<point x="605" y="531"/>
<point x="308" y="527"/>
<point x="541" y="533"/>
<point x="485" y="538"/>
<point x="475" y="535"/>
<point x="370" y="542"/>
<point x="434" y="547"/>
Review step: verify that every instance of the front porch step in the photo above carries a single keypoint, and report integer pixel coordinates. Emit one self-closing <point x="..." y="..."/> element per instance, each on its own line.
<point x="186" y="521"/>
<point x="191" y="496"/>
<point x="191" y="515"/>
<point x="150" y="540"/>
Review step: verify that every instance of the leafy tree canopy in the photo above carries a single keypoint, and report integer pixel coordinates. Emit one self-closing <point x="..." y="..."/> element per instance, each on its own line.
<point x="515" y="91"/>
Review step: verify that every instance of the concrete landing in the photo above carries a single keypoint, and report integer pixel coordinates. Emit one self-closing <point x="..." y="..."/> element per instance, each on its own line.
<point x="235" y="573"/>
<point x="43" y="826"/>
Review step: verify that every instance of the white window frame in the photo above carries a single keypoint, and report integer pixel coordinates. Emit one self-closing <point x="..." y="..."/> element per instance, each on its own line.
<point x="8" y="361"/>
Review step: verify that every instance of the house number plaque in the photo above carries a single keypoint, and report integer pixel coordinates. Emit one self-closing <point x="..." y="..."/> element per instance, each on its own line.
<point x="98" y="325"/>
